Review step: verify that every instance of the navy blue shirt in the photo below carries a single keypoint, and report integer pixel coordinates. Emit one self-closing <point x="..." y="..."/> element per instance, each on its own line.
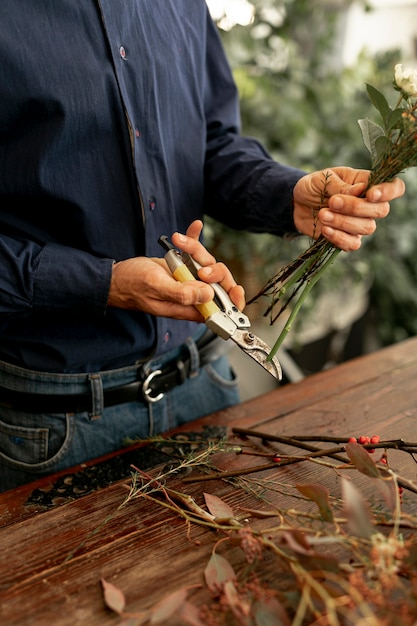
<point x="118" y="123"/>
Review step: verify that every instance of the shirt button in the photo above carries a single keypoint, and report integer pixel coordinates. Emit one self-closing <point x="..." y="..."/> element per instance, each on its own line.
<point x="122" y="53"/>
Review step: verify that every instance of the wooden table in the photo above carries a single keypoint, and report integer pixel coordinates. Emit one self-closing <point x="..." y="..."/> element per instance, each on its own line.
<point x="52" y="559"/>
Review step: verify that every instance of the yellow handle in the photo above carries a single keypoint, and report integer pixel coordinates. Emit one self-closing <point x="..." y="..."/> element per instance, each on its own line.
<point x="183" y="274"/>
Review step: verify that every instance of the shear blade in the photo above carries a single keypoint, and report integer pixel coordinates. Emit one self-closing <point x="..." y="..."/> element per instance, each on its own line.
<point x="257" y="350"/>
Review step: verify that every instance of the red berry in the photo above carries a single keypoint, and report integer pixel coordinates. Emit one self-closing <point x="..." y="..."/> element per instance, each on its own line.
<point x="352" y="440"/>
<point x="276" y="459"/>
<point x="363" y="440"/>
<point x="375" y="439"/>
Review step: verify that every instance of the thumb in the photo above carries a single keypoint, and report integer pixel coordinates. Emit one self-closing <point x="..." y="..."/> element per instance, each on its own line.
<point x="336" y="185"/>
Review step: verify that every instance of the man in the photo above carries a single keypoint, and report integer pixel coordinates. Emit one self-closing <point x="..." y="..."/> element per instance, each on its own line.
<point x="119" y="123"/>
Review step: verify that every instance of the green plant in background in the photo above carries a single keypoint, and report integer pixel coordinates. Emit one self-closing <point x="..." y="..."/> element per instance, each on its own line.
<point x="303" y="105"/>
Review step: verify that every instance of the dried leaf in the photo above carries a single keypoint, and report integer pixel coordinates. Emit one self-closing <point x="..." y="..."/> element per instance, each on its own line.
<point x="218" y="570"/>
<point x="362" y="460"/>
<point x="356" y="510"/>
<point x="269" y="612"/>
<point x="296" y="541"/>
<point x="239" y="607"/>
<point x="166" y="607"/>
<point x="310" y="559"/>
<point x="190" y="614"/>
<point x="113" y="597"/>
<point x="388" y="491"/>
<point x="319" y="495"/>
<point x="218" y="507"/>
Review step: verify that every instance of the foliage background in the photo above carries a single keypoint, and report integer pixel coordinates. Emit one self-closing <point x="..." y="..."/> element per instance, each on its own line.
<point x="303" y="105"/>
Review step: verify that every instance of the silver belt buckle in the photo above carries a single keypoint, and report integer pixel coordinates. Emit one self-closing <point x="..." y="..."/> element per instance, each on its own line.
<point x="146" y="390"/>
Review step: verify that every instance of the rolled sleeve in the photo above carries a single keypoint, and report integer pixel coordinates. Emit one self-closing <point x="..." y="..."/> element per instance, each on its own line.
<point x="70" y="279"/>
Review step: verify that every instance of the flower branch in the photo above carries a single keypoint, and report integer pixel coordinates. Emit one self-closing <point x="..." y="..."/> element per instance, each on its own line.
<point x="392" y="145"/>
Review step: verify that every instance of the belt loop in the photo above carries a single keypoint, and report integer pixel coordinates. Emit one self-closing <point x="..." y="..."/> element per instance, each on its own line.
<point x="194" y="356"/>
<point x="97" y="399"/>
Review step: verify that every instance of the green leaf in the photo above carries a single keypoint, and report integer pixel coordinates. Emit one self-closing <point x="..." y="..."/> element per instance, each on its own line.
<point x="362" y="460"/>
<point x="319" y="495"/>
<point x="394" y="119"/>
<point x="218" y="571"/>
<point x="382" y="148"/>
<point x="370" y="133"/>
<point x="380" y="103"/>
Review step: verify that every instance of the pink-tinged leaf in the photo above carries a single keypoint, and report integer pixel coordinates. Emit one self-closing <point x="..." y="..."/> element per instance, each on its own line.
<point x="218" y="571"/>
<point x="319" y="495"/>
<point x="113" y="597"/>
<point x="296" y="541"/>
<point x="217" y="507"/>
<point x="356" y="510"/>
<point x="309" y="558"/>
<point x="270" y="612"/>
<point x="388" y="491"/>
<point x="190" y="614"/>
<point x="166" y="607"/>
<point x="239" y="607"/>
<point x="362" y="460"/>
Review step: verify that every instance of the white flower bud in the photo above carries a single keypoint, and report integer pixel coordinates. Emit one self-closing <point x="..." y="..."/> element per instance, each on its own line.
<point x="406" y="80"/>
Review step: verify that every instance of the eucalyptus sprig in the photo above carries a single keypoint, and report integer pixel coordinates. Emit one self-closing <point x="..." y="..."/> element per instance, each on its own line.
<point x="392" y="145"/>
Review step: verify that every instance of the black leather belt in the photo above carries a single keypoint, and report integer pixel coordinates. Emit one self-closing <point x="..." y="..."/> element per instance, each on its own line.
<point x="150" y="387"/>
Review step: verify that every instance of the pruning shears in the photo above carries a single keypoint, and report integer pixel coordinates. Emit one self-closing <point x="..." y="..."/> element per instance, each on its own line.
<point x="221" y="315"/>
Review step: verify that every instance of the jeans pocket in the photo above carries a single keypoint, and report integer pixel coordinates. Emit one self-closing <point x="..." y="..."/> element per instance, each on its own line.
<point x="35" y="442"/>
<point x="221" y="373"/>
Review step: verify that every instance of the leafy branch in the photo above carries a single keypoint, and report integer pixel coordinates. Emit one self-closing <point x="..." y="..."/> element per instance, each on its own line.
<point x="392" y="146"/>
<point x="337" y="563"/>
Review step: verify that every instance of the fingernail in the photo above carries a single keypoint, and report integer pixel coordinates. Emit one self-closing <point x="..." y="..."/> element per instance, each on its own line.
<point x="327" y="231"/>
<point x="376" y="195"/>
<point x="202" y="295"/>
<point x="182" y="238"/>
<point x="327" y="216"/>
<point x="337" y="203"/>
<point x="207" y="271"/>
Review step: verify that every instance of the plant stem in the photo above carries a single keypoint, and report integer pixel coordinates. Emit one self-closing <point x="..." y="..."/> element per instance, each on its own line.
<point x="309" y="286"/>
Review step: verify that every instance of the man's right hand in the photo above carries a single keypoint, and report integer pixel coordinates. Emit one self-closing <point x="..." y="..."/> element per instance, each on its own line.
<point x="146" y="284"/>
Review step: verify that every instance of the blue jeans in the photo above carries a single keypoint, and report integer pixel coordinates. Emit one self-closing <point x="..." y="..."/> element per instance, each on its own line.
<point x="34" y="445"/>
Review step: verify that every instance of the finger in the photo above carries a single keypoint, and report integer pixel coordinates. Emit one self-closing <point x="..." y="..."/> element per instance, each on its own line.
<point x="195" y="228"/>
<point x="342" y="240"/>
<point x="351" y="225"/>
<point x="194" y="247"/>
<point x="219" y="273"/>
<point x="357" y="207"/>
<point x="340" y="180"/>
<point x="385" y="192"/>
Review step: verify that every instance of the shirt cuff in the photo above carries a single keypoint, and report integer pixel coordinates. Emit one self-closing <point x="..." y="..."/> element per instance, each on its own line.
<point x="70" y="279"/>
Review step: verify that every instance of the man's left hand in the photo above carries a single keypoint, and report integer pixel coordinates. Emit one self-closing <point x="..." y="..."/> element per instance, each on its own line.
<point x="329" y="203"/>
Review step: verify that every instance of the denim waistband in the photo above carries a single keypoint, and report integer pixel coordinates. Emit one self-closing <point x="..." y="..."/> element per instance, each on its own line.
<point x="31" y="381"/>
